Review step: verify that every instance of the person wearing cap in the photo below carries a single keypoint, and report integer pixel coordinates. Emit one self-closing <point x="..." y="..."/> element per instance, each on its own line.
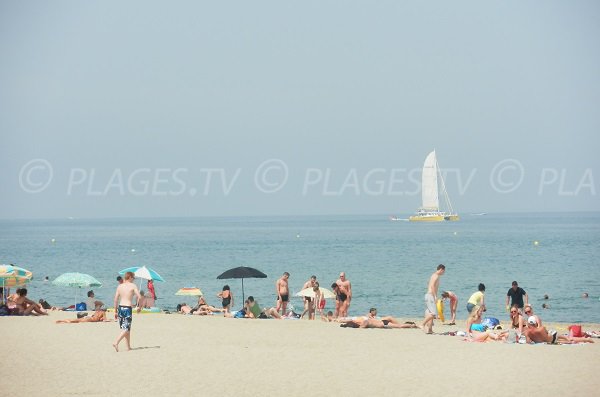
<point x="92" y="303"/>
<point x="535" y="333"/>
<point x="515" y="295"/>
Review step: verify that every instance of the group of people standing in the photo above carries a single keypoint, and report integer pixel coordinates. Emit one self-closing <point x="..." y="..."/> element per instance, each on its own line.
<point x="516" y="297"/>
<point x="313" y="297"/>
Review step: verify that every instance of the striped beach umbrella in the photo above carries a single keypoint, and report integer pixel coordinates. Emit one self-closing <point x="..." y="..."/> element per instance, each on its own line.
<point x="14" y="276"/>
<point x="189" y="291"/>
<point x="77" y="280"/>
<point x="144" y="272"/>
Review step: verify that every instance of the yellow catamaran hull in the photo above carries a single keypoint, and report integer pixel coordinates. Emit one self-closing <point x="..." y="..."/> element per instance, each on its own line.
<point x="433" y="218"/>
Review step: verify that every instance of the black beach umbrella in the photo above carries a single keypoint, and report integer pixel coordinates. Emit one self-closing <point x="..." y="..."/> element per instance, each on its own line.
<point x="242" y="272"/>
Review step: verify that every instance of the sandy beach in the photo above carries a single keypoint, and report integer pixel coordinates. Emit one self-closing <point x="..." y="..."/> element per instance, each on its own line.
<point x="208" y="356"/>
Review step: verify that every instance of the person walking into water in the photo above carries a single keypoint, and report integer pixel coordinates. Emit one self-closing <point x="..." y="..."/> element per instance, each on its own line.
<point x="123" y="309"/>
<point x="431" y="299"/>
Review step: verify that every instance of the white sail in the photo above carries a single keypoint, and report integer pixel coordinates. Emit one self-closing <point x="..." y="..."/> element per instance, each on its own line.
<point x="429" y="187"/>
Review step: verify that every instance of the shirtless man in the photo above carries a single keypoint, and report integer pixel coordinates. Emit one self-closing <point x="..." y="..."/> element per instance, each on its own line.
<point x="537" y="334"/>
<point x="344" y="285"/>
<point x="308" y="305"/>
<point x="341" y="297"/>
<point x="431" y="298"/>
<point x="283" y="293"/>
<point x="123" y="308"/>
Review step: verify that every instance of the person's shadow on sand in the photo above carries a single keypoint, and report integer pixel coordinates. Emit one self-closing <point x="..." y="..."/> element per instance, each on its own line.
<point x="145" y="347"/>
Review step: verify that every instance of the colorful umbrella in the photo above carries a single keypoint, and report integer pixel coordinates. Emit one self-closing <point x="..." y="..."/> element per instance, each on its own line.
<point x="143" y="272"/>
<point x="191" y="291"/>
<point x="14" y="276"/>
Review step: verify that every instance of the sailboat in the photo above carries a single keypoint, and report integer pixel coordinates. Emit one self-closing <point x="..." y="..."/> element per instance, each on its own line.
<point x="432" y="183"/>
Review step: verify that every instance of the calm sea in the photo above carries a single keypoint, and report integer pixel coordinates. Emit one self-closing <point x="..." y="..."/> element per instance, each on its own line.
<point x="388" y="262"/>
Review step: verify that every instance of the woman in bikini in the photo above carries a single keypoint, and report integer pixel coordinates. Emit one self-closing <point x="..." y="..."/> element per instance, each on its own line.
<point x="479" y="332"/>
<point x="516" y="319"/>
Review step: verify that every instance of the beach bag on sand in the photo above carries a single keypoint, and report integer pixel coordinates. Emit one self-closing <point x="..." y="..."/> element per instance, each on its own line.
<point x="575" y="330"/>
<point x="490" y="322"/>
<point x="80" y="307"/>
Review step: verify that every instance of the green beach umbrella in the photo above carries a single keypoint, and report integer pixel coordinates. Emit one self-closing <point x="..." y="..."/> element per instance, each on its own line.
<point x="76" y="280"/>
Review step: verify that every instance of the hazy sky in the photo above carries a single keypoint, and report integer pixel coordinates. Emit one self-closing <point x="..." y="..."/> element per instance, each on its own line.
<point x="275" y="108"/>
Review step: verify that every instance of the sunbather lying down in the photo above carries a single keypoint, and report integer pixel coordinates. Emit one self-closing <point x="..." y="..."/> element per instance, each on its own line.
<point x="98" y="316"/>
<point x="371" y="320"/>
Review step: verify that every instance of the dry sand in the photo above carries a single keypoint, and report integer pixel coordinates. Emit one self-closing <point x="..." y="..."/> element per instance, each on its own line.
<point x="214" y="356"/>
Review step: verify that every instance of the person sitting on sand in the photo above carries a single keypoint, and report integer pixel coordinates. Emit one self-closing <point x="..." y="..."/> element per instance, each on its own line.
<point x="24" y="306"/>
<point x="478" y="332"/>
<point x="517" y="320"/>
<point x="474" y="319"/>
<point x="256" y="312"/>
<point x="183" y="308"/>
<point x="538" y="334"/>
<point x="92" y="303"/>
<point x="329" y="318"/>
<point x="528" y="310"/>
<point x="98" y="316"/>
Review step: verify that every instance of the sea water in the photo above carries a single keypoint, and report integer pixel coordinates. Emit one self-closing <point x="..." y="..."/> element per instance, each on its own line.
<point x="387" y="262"/>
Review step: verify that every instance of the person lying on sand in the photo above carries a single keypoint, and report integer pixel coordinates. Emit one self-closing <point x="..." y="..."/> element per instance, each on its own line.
<point x="97" y="317"/>
<point x="537" y="334"/>
<point x="46" y="306"/>
<point x="204" y="307"/>
<point x="371" y="320"/>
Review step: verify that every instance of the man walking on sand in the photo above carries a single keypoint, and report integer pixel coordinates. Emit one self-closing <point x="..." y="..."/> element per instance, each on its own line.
<point x="283" y="293"/>
<point x="431" y="299"/>
<point x="123" y="308"/>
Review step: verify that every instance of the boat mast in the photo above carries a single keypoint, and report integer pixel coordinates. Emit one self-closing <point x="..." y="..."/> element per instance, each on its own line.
<point x="445" y="193"/>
